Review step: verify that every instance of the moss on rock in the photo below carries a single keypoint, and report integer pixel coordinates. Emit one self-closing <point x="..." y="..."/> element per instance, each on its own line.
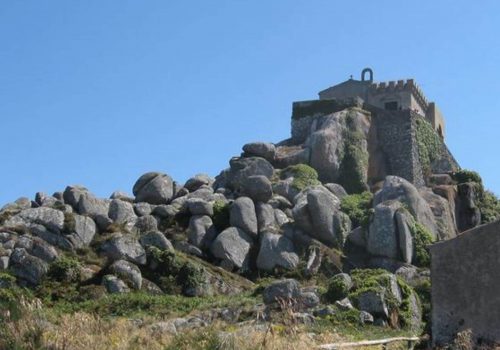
<point x="429" y="144"/>
<point x="338" y="288"/>
<point x="354" y="164"/>
<point x="358" y="207"/>
<point x="464" y="176"/>
<point x="378" y="280"/>
<point x="303" y="176"/>
<point x="422" y="238"/>
<point x="221" y="215"/>
<point x="64" y="269"/>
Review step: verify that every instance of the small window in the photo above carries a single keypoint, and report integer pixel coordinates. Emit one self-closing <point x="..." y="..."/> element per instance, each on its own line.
<point x="391" y="106"/>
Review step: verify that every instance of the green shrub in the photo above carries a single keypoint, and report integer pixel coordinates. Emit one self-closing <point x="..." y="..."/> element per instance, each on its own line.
<point x="423" y="290"/>
<point x="7" y="280"/>
<point x="69" y="222"/>
<point x="221" y="215"/>
<point x="487" y="202"/>
<point x="421" y="239"/>
<point x="353" y="168"/>
<point x="65" y="269"/>
<point x="358" y="207"/>
<point x="175" y="273"/>
<point x="377" y="280"/>
<point x="489" y="205"/>
<point x="303" y="176"/>
<point x="337" y="289"/>
<point x="464" y="176"/>
<point x="429" y="144"/>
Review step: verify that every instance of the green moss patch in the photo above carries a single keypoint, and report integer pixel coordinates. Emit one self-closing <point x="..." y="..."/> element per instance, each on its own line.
<point x="65" y="269"/>
<point x="358" y="207"/>
<point x="221" y="215"/>
<point x="352" y="172"/>
<point x="489" y="205"/>
<point x="303" y="176"/>
<point x="422" y="238"/>
<point x="429" y="144"/>
<point x="487" y="202"/>
<point x="464" y="176"/>
<point x="377" y="280"/>
<point x="337" y="289"/>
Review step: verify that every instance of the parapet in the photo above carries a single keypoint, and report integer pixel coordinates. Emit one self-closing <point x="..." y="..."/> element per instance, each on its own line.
<point x="398" y="86"/>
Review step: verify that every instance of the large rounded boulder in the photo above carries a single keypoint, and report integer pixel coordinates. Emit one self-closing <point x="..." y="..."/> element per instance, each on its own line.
<point x="154" y="188"/>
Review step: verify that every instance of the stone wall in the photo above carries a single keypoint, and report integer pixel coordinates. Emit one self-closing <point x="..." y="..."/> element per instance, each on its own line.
<point x="393" y="150"/>
<point x="465" y="273"/>
<point x="303" y="113"/>
<point x="396" y="140"/>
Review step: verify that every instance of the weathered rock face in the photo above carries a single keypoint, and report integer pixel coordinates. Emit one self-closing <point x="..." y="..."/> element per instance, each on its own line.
<point x="50" y="218"/>
<point x="154" y="188"/>
<point x="197" y="181"/>
<point x="121" y="212"/>
<point x="242" y="168"/>
<point x="128" y="272"/>
<point x="382" y="237"/>
<point x="260" y="149"/>
<point x="276" y="251"/>
<point x="72" y="194"/>
<point x="468" y="213"/>
<point x="258" y="188"/>
<point x="84" y="230"/>
<point x="443" y="213"/>
<point x="198" y="206"/>
<point x="232" y="246"/>
<point x="201" y="231"/>
<point x="156" y="239"/>
<point x="92" y="206"/>
<point x="281" y="290"/>
<point x="124" y="247"/>
<point x="27" y="267"/>
<point x="396" y="188"/>
<point x="336" y="146"/>
<point x="316" y="211"/>
<point x="114" y="284"/>
<point x="243" y="215"/>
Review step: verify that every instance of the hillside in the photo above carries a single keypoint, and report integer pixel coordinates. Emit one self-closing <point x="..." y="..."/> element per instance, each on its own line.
<point x="316" y="239"/>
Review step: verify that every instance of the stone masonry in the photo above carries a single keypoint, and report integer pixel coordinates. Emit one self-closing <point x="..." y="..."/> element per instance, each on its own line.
<point x="465" y="273"/>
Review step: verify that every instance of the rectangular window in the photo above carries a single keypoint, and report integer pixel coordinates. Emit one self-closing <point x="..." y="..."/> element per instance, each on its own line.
<point x="391" y="106"/>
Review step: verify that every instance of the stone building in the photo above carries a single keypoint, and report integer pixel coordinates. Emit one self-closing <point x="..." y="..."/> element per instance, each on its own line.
<point x="465" y="275"/>
<point x="392" y="95"/>
<point x="400" y="121"/>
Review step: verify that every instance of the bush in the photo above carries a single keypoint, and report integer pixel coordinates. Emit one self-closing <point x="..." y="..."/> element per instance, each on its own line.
<point x="429" y="144"/>
<point x="221" y="215"/>
<point x="65" y="269"/>
<point x="365" y="280"/>
<point x="7" y="280"/>
<point x="338" y="288"/>
<point x="421" y="239"/>
<point x="175" y="273"/>
<point x="464" y="176"/>
<point x="353" y="168"/>
<point x="489" y="205"/>
<point x="358" y="207"/>
<point x="423" y="290"/>
<point x="303" y="176"/>
<point x="487" y="202"/>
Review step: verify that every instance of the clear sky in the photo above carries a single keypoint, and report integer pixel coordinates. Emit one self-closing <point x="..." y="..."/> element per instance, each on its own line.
<point x="98" y="92"/>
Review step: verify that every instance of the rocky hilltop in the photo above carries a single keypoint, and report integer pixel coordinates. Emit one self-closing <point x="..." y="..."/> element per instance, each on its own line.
<point x="329" y="227"/>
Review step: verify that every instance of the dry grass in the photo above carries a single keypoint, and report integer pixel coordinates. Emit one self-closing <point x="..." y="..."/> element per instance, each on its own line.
<point x="36" y="327"/>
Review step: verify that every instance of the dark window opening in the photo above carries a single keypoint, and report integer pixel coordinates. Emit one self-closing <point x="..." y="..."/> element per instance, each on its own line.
<point x="440" y="131"/>
<point x="391" y="106"/>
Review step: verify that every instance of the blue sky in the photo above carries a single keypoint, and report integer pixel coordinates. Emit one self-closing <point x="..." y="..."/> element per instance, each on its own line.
<point x="98" y="92"/>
